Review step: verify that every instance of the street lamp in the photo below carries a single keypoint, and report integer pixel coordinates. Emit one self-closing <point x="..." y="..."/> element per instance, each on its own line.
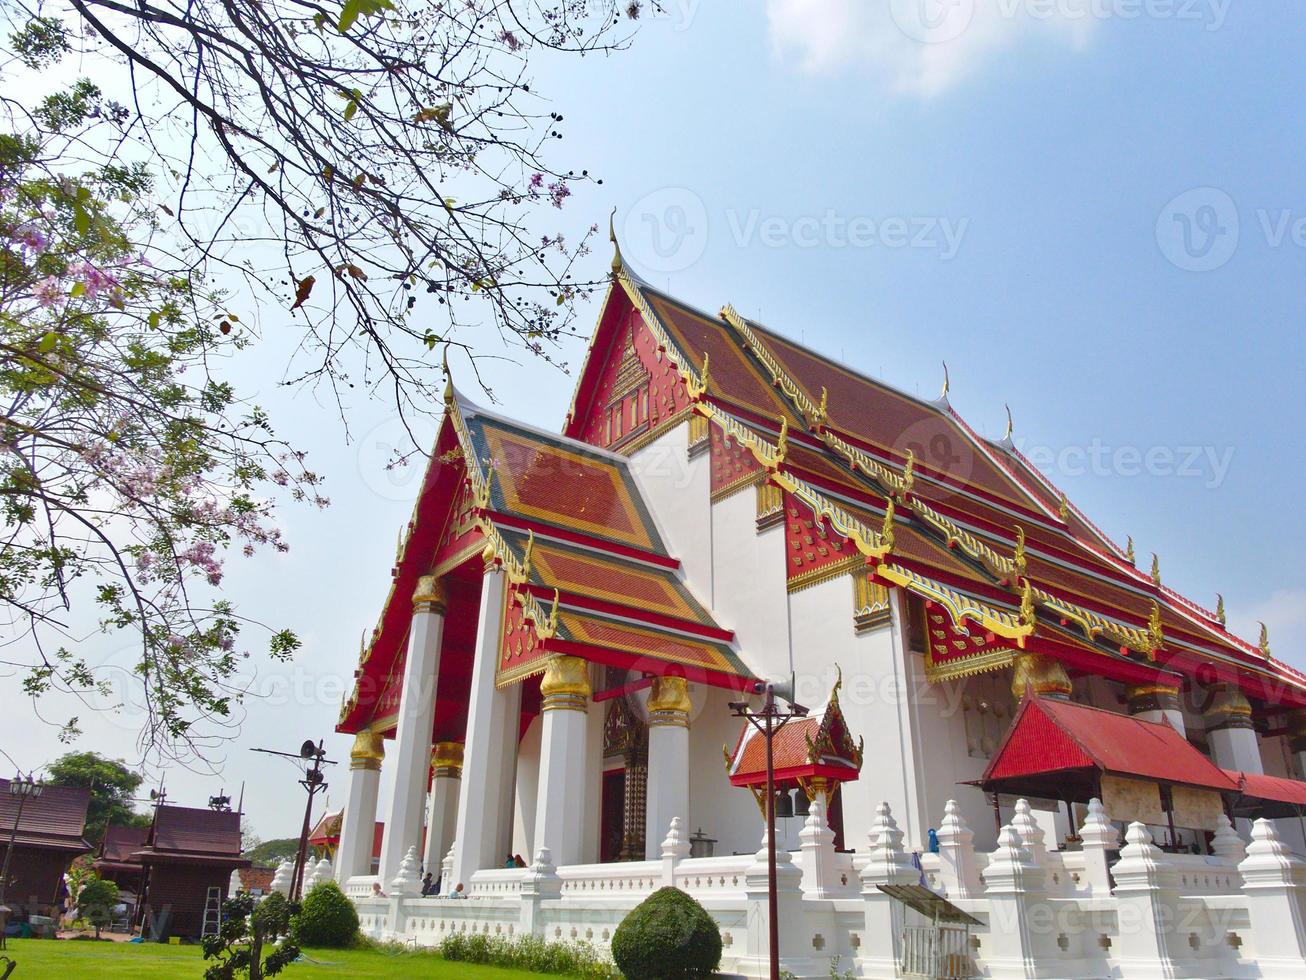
<point x="21" y="789"/>
<point x="768" y="720"/>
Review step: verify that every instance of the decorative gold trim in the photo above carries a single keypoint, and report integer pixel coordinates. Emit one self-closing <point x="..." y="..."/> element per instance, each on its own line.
<point x="698" y="434"/>
<point x="654" y="325"/>
<point x="871" y="605"/>
<point x="652" y="435"/>
<point x="770" y="505"/>
<point x="960" y="607"/>
<point x="368" y="750"/>
<point x="980" y="663"/>
<point x="738" y="486"/>
<point x="815" y="576"/>
<point x="814" y="414"/>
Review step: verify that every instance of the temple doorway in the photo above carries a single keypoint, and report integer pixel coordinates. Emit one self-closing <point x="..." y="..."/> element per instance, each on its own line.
<point x="613" y="828"/>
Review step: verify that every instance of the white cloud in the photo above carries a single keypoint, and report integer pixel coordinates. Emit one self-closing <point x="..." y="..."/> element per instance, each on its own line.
<point x="1284" y="612"/>
<point x="921" y="46"/>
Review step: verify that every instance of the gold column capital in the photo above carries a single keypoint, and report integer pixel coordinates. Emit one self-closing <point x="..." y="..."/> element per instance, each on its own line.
<point x="1040" y="673"/>
<point x="566" y="684"/>
<point x="368" y="751"/>
<point x="447" y="760"/>
<point x="430" y="594"/>
<point x="1155" y="696"/>
<point x="668" y="702"/>
<point x="1230" y="709"/>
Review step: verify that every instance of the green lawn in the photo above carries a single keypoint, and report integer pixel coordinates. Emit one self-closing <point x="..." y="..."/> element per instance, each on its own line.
<point x="66" y="959"/>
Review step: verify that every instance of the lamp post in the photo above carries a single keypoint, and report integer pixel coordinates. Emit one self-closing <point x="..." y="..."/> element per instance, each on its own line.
<point x="769" y="720"/>
<point x="22" y="790"/>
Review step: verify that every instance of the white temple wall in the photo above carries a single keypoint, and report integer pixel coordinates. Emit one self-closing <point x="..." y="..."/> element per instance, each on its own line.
<point x="677" y="490"/>
<point x="526" y="795"/>
<point x="724" y="812"/>
<point x="750" y="583"/>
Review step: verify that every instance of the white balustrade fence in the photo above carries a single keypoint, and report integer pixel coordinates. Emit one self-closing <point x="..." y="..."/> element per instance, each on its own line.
<point x="1114" y="908"/>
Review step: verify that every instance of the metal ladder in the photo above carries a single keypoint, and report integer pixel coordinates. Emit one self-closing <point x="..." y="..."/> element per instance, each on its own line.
<point x="212" y="912"/>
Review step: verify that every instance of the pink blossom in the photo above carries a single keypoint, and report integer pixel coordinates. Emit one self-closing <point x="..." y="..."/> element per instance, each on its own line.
<point x="47" y="291"/>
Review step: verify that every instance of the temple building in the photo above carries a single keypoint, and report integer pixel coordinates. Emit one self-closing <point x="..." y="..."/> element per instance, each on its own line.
<point x="571" y="615"/>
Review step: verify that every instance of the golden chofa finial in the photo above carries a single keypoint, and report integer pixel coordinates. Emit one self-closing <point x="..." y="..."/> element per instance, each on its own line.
<point x="1156" y="569"/>
<point x="822" y="415"/>
<point x="1063" y="507"/>
<point x="1019" y="560"/>
<point x="908" y="474"/>
<point x="448" y="378"/>
<point x="886" y="529"/>
<point x="1219" y="609"/>
<point x="1129" y="549"/>
<point x="947" y="383"/>
<point x="1264" y="644"/>
<point x="527" y="555"/>
<point x="1027" y="615"/>
<point x="616" y="248"/>
<point x="782" y="442"/>
<point x="1155" y="634"/>
<point x="1006" y="436"/>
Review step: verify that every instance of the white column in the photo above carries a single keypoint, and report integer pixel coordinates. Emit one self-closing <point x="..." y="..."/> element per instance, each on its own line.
<point x="1014" y="945"/>
<point x="358" y="823"/>
<point x="1099" y="836"/>
<point x="442" y="806"/>
<point x="560" y="797"/>
<point x="403" y="826"/>
<point x="1297" y="741"/>
<point x="888" y="864"/>
<point x="1156" y="702"/>
<point x="821" y="872"/>
<point x="485" y="802"/>
<point x="1229" y="730"/>
<point x="668" y="759"/>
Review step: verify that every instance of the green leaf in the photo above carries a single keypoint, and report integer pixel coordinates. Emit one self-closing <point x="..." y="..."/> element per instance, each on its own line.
<point x="351" y="10"/>
<point x="155" y="319"/>
<point x="48" y="342"/>
<point x="79" y="289"/>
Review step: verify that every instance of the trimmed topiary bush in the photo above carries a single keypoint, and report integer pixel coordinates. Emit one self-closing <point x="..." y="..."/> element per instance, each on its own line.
<point x="668" y="936"/>
<point x="326" y="918"/>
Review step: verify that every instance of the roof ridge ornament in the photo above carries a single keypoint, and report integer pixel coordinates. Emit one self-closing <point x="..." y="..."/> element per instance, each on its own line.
<point x="1264" y="643"/>
<point x="821" y="417"/>
<point x="696" y="387"/>
<point x="1129" y="549"/>
<point x="1219" y="608"/>
<point x="617" y="261"/>
<point x="1155" y="632"/>
<point x="1156" y="569"/>
<point x="947" y="383"/>
<point x="1019" y="560"/>
<point x="1028" y="617"/>
<point x="782" y="443"/>
<point x="1063" y="507"/>
<point x="908" y="474"/>
<point x="1006" y="436"/>
<point x="886" y="531"/>
<point x="448" y="378"/>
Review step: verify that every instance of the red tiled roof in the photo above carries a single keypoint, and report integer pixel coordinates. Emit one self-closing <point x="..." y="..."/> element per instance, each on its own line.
<point x="56" y="818"/>
<point x="1261" y="789"/>
<point x="1050" y="736"/>
<point x="327" y="829"/>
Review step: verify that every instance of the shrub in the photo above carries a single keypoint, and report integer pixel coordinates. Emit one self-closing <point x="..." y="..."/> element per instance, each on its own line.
<point x="326" y="918"/>
<point x="95" y="902"/>
<point x="668" y="936"/>
<point x="528" y="953"/>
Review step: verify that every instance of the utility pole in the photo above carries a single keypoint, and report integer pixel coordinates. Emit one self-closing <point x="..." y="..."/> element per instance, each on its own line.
<point x="22" y="789"/>
<point x="769" y="720"/>
<point x="314" y="782"/>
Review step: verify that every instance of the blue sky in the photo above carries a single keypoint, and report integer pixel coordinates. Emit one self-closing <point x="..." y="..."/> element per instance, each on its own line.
<point x="1010" y="195"/>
